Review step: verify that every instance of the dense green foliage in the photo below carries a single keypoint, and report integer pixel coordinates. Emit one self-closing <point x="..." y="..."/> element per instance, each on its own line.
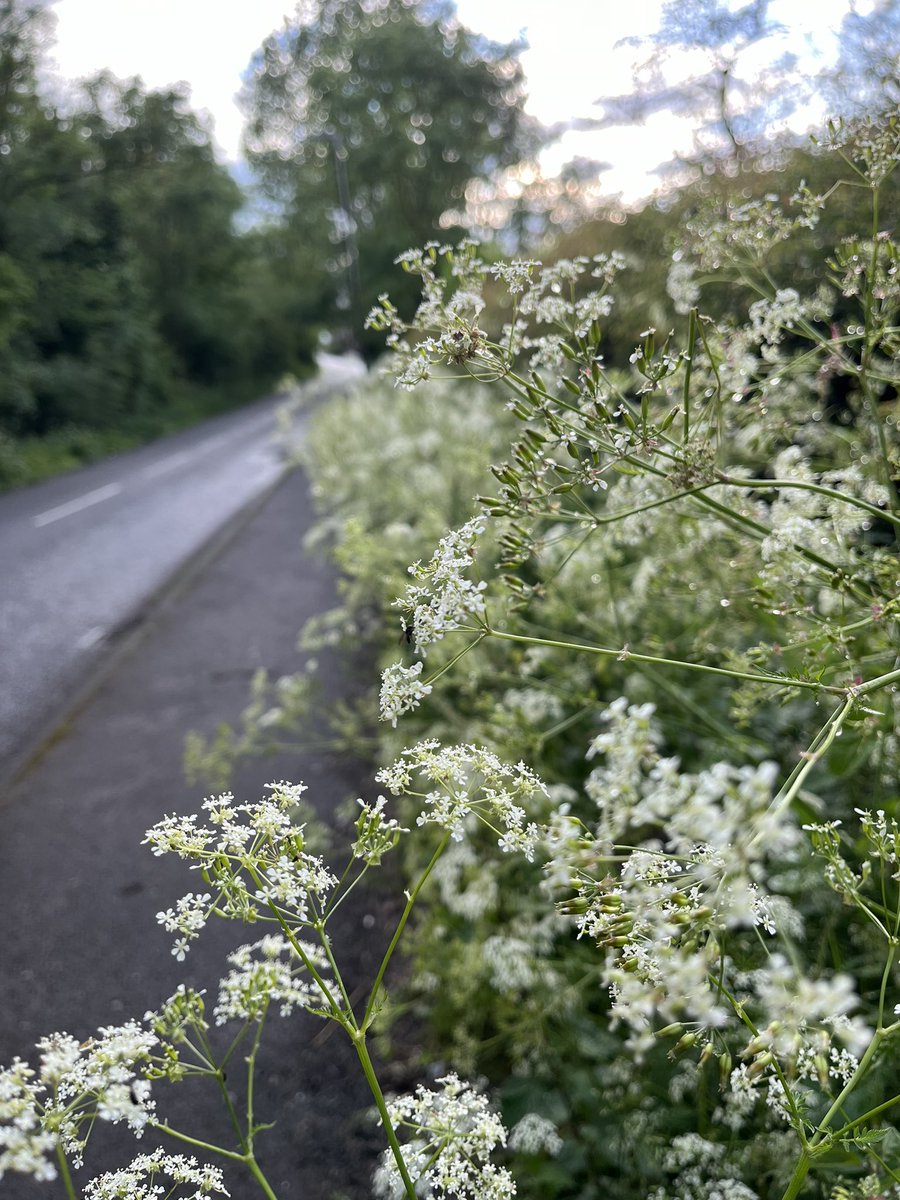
<point x="133" y="295"/>
<point x="129" y="302"/>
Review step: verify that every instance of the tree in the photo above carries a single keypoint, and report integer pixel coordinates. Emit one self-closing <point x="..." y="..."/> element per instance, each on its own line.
<point x="866" y="77"/>
<point x="367" y="120"/>
<point x="125" y="288"/>
<point x="729" y="67"/>
<point x="733" y="104"/>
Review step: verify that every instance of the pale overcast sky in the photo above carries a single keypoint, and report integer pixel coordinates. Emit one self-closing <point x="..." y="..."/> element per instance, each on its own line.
<point x="572" y="59"/>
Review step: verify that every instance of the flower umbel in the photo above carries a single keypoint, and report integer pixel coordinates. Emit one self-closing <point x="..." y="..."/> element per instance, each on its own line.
<point x="452" y="1135"/>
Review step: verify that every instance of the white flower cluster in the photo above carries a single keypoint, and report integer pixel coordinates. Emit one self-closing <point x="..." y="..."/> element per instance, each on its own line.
<point x="252" y="855"/>
<point x="698" y="1167"/>
<point x="654" y="925"/>
<point x="747" y="231"/>
<point x="402" y="690"/>
<point x="188" y="918"/>
<point x="471" y="782"/>
<point x="534" y="1134"/>
<point x="452" y="301"/>
<point x="138" y="1181"/>
<point x="75" y="1084"/>
<point x="467" y="885"/>
<point x="452" y="1135"/>
<point x="798" y="1017"/>
<point x="725" y="809"/>
<point x="695" y="867"/>
<point x="770" y="319"/>
<point x="443" y="599"/>
<point x="517" y="959"/>
<point x="269" y="971"/>
<point x="26" y="1147"/>
<point x="516" y="274"/>
<point x="681" y="284"/>
<point x="535" y="706"/>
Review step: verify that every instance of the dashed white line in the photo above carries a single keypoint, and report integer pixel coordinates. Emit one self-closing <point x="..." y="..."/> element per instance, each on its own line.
<point x="76" y="505"/>
<point x="91" y="638"/>
<point x="181" y="457"/>
<point x="165" y="465"/>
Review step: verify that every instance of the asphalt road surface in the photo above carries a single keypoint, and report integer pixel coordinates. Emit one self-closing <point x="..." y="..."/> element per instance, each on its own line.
<point x="80" y="554"/>
<point x="79" y="943"/>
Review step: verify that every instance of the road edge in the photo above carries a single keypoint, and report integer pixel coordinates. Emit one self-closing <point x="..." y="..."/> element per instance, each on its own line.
<point x="125" y="637"/>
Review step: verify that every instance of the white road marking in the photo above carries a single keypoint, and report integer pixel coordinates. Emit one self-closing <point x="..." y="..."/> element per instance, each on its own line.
<point x="91" y="638"/>
<point x="76" y="505"/>
<point x="165" y="465"/>
<point x="181" y="457"/>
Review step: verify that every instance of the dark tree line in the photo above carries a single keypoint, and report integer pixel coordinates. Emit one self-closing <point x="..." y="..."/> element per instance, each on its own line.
<point x="130" y="281"/>
<point x="125" y="285"/>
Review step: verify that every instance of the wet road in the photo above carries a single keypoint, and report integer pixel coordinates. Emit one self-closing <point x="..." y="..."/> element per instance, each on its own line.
<point x="80" y="554"/>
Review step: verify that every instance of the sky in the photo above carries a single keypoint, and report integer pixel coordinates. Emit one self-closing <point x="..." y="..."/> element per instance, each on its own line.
<point x="573" y="58"/>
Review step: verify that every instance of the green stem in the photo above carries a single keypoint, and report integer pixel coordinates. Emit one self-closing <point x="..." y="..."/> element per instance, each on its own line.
<point x="625" y="655"/>
<point x="801" y="1170"/>
<point x="232" y="1113"/>
<point x="410" y="901"/>
<point x="875" y="685"/>
<point x="65" y="1172"/>
<point x="218" y="1072"/>
<point x="340" y="892"/>
<point x="254" y="1168"/>
<point x="247" y="1159"/>
<point x="453" y="661"/>
<point x="885" y="977"/>
<point x="688" y="367"/>
<point x="762" y="531"/>
<point x="816" y="1144"/>
<point x="866" y="1117"/>
<point x="323" y="987"/>
<point x="251" y="1072"/>
<point x="806" y="486"/>
<point x="326" y="946"/>
<point x="359" y="1041"/>
<point x="208" y="1147"/>
<point x="869" y="400"/>
<point x="818" y="747"/>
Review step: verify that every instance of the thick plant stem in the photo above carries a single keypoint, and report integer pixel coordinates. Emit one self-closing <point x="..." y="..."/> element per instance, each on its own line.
<point x="797" y="1180"/>
<point x="359" y="1041"/>
<point x="254" y="1169"/>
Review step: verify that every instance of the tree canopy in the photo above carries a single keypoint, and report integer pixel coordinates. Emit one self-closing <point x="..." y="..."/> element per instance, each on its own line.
<point x="126" y="288"/>
<point x="367" y="121"/>
<point x="731" y="67"/>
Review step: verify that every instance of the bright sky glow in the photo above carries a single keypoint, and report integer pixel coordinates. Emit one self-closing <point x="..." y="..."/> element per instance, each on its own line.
<point x="572" y="60"/>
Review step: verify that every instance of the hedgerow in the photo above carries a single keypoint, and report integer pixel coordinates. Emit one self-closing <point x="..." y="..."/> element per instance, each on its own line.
<point x="638" y="747"/>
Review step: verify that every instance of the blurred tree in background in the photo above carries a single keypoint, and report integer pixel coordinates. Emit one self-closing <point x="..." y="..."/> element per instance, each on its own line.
<point x="129" y="300"/>
<point x="137" y="290"/>
<point x="367" y="121"/>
